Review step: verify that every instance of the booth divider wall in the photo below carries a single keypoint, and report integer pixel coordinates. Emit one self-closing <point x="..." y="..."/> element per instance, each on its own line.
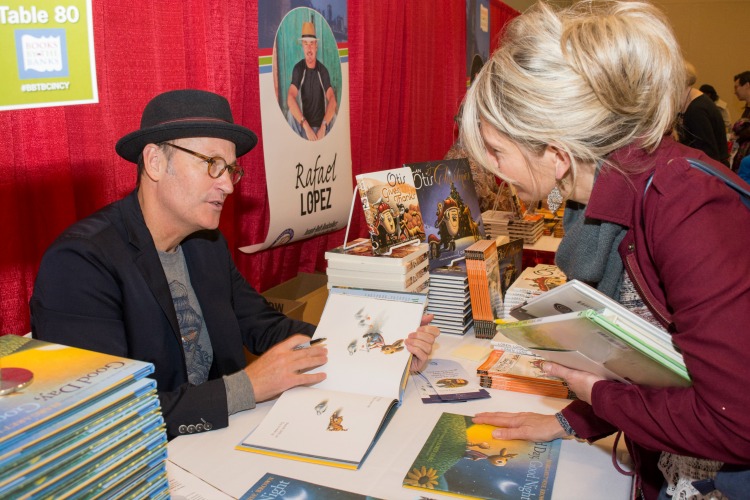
<point x="58" y="164"/>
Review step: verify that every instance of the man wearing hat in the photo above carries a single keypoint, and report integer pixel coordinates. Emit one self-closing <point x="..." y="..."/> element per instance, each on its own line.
<point x="150" y="277"/>
<point x="312" y="115"/>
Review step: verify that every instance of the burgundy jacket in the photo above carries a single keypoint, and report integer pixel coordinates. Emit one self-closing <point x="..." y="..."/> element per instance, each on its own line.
<point x="687" y="250"/>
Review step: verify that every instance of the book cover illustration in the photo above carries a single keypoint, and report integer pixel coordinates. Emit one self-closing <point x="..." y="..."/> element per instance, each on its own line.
<point x="64" y="378"/>
<point x="272" y="486"/>
<point x="463" y="459"/>
<point x="391" y="208"/>
<point x="510" y="258"/>
<point x="447" y="381"/>
<point x="450" y="208"/>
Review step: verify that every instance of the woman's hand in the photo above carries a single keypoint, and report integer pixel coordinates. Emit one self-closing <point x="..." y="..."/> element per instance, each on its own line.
<point x="580" y="382"/>
<point x="527" y="426"/>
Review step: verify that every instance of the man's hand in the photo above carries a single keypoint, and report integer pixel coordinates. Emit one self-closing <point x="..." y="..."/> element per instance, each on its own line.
<point x="281" y="367"/>
<point x="321" y="131"/>
<point x="420" y="343"/>
<point x="527" y="426"/>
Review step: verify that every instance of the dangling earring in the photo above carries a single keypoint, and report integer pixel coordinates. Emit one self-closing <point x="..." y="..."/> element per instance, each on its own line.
<point x="554" y="199"/>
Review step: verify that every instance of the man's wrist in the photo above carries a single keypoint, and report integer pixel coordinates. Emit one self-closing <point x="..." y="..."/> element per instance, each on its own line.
<point x="302" y="121"/>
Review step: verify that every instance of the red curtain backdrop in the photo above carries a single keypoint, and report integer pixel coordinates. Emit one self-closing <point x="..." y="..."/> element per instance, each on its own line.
<point x="58" y="165"/>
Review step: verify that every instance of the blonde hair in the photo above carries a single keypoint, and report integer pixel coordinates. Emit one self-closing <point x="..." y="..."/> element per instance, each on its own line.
<point x="588" y="79"/>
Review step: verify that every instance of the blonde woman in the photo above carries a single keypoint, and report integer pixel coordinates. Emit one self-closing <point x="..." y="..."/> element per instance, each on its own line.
<point x="577" y="104"/>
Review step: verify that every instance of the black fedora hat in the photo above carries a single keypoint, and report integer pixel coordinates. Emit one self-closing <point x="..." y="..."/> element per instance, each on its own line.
<point x="178" y="114"/>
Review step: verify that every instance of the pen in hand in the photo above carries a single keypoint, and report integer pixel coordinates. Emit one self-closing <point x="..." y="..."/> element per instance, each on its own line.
<point x="308" y="344"/>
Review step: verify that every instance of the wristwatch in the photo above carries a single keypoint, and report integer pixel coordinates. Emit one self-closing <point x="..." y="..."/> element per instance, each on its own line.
<point x="302" y="121"/>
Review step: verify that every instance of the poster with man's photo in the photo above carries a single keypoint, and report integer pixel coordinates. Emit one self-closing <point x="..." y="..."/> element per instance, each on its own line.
<point x="303" y="64"/>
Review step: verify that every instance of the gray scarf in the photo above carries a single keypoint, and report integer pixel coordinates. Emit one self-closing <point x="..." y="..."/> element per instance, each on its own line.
<point x="588" y="252"/>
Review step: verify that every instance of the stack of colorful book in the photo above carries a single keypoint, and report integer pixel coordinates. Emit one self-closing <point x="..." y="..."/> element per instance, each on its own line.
<point x="532" y="282"/>
<point x="483" y="269"/>
<point x="529" y="228"/>
<point x="509" y="371"/>
<point x="449" y="299"/>
<point x="403" y="269"/>
<point x="78" y="423"/>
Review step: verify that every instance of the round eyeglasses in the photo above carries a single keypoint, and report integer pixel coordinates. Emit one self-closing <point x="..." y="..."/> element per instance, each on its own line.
<point x="216" y="164"/>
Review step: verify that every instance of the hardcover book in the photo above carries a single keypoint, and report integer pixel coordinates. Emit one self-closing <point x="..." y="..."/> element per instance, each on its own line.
<point x="64" y="380"/>
<point x="533" y="281"/>
<point x="606" y="343"/>
<point x="365" y="279"/>
<point x="417" y="282"/>
<point x="578" y="296"/>
<point x="391" y="208"/>
<point x="510" y="262"/>
<point x="462" y="459"/>
<point x="445" y="188"/>
<point x="272" y="486"/>
<point x="359" y="256"/>
<point x="337" y="421"/>
<point x="520" y="373"/>
<point x="483" y="271"/>
<point x="445" y="380"/>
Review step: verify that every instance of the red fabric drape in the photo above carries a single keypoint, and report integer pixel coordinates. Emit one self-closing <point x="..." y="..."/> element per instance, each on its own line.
<point x="58" y="164"/>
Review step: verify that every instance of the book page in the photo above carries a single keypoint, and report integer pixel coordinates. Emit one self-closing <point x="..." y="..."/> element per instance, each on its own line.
<point x="365" y="332"/>
<point x="320" y="425"/>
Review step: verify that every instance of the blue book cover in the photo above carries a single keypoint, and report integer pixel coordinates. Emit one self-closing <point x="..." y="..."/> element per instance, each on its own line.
<point x="461" y="458"/>
<point x="276" y="486"/>
<point x="450" y="208"/>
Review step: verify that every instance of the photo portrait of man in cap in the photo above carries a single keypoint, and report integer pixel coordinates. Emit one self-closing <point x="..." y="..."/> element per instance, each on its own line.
<point x="150" y="277"/>
<point x="311" y="98"/>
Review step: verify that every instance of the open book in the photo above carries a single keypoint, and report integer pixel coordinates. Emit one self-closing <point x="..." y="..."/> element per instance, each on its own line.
<point x="578" y="326"/>
<point x="337" y="421"/>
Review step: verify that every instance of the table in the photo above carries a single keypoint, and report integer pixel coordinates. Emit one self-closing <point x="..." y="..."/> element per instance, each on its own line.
<point x="584" y="471"/>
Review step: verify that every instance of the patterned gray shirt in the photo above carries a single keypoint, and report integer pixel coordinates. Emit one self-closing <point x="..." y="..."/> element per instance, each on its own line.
<point x="195" y="340"/>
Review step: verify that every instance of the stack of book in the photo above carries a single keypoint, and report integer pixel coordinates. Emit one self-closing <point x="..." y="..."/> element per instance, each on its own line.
<point x="578" y="326"/>
<point x="532" y="282"/>
<point x="78" y="423"/>
<point x="449" y="299"/>
<point x="404" y="269"/>
<point x="510" y="371"/>
<point x="483" y="269"/>
<point x="529" y="228"/>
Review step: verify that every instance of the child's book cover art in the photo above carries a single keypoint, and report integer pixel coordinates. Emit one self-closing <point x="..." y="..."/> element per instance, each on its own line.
<point x="463" y="459"/>
<point x="61" y="379"/>
<point x="272" y="486"/>
<point x="391" y="208"/>
<point x="450" y="208"/>
<point x="510" y="256"/>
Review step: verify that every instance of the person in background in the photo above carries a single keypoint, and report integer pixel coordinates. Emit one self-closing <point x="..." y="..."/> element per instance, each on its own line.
<point x="150" y="277"/>
<point x="700" y="124"/>
<point x="744" y="170"/>
<point x="579" y="103"/>
<point x="313" y="114"/>
<point x="741" y="128"/>
<point x="710" y="91"/>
